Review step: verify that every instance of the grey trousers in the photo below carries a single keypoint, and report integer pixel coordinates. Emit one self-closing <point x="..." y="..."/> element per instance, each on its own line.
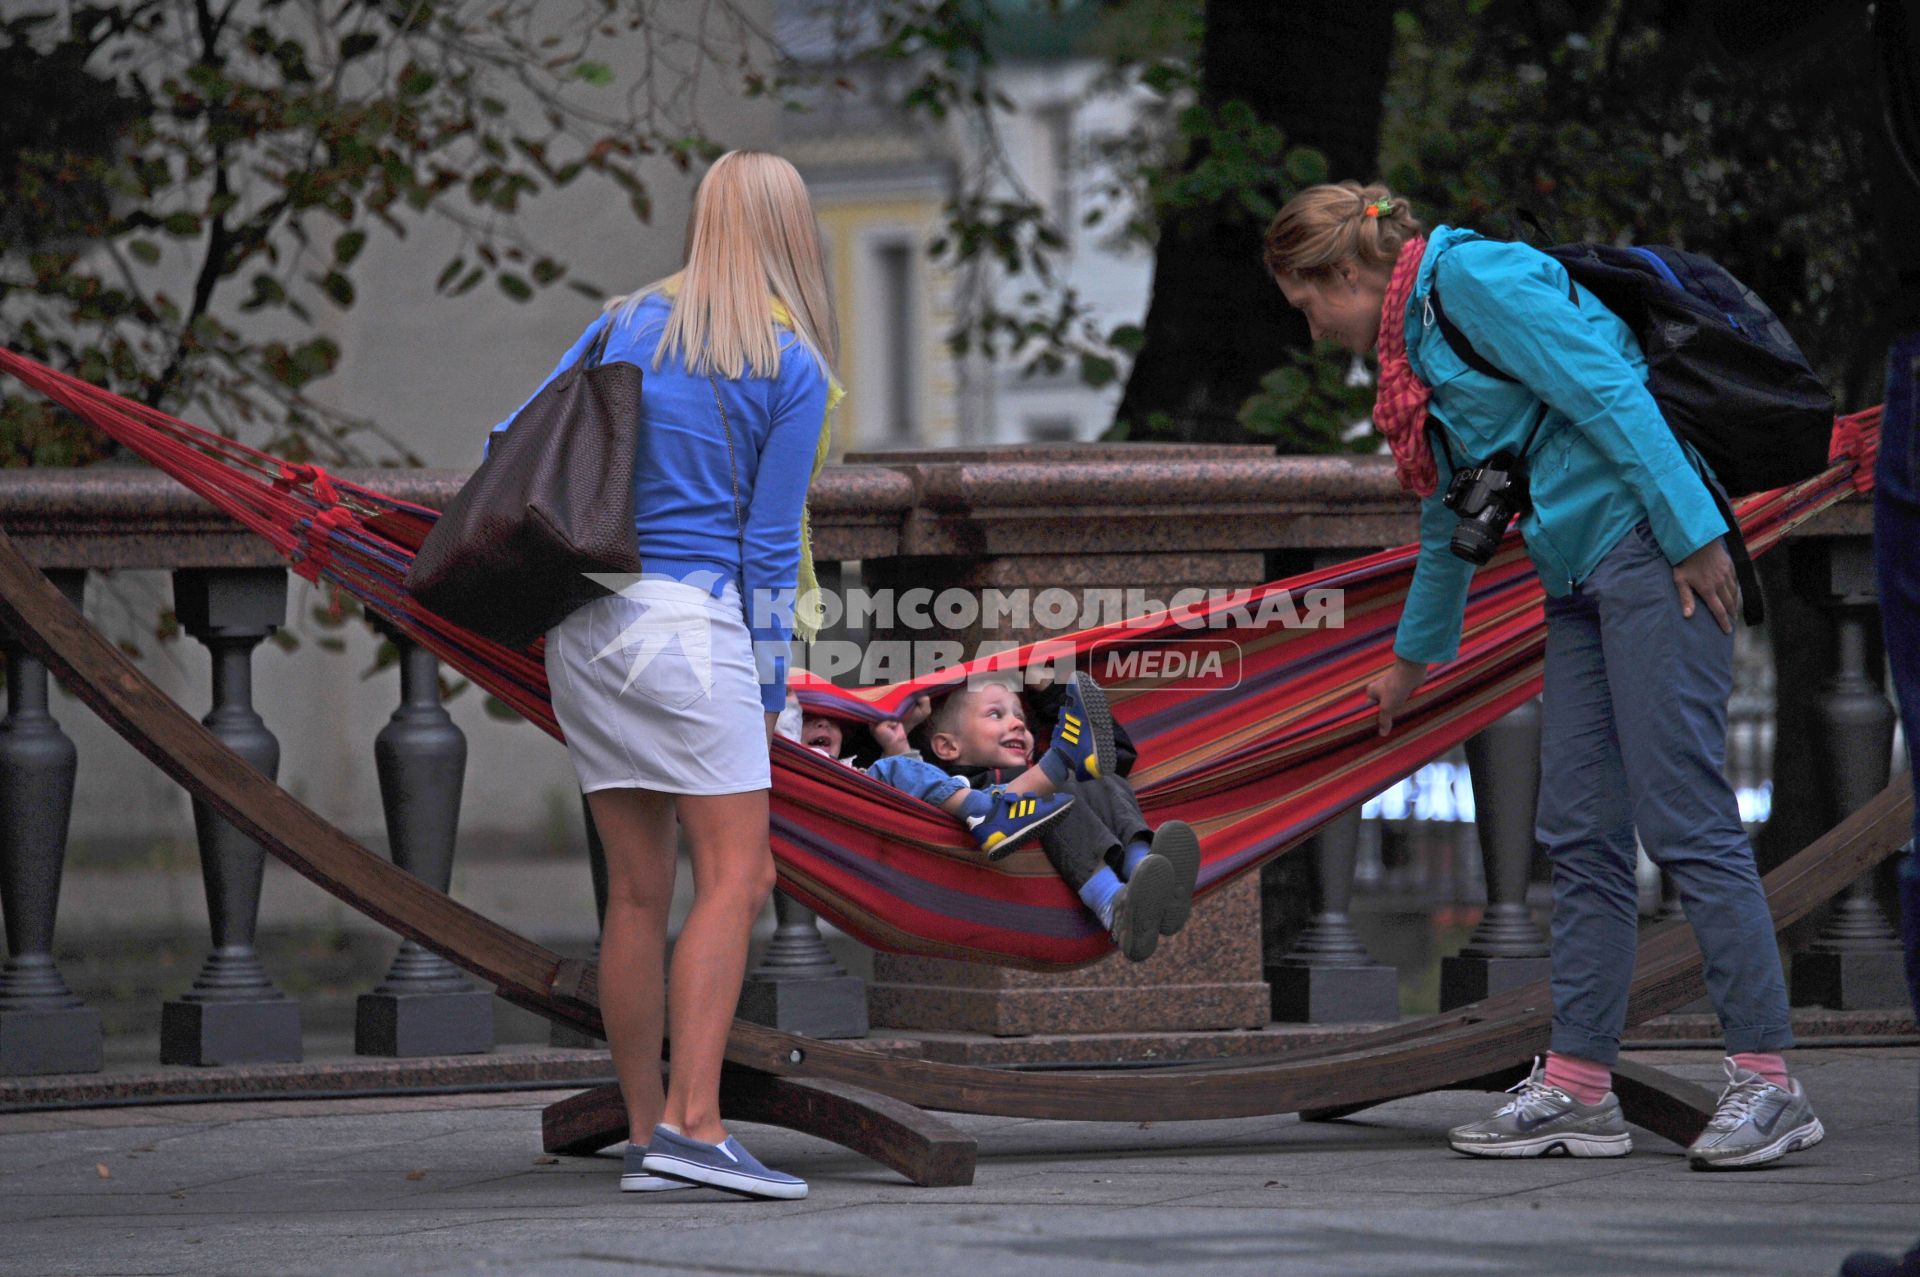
<point x="1104" y="818"/>
<point x="1634" y="736"/>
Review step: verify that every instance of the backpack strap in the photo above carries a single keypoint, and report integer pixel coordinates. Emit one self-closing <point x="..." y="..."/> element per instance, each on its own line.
<point x="1752" y="607"/>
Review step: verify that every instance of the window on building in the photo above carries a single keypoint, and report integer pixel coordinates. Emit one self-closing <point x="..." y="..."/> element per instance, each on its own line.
<point x="899" y="341"/>
<point x="1055" y="187"/>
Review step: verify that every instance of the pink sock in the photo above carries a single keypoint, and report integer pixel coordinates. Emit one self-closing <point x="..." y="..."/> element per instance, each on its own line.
<point x="1770" y="1067"/>
<point x="1585" y="1080"/>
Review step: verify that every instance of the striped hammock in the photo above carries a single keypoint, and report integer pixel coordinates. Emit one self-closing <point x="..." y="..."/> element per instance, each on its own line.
<point x="1256" y="767"/>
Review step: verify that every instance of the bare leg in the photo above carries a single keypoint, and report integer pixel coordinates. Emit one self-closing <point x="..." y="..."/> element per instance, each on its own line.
<point x="636" y="827"/>
<point x="732" y="877"/>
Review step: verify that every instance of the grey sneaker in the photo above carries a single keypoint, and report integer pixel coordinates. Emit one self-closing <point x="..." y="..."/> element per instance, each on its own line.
<point x="1140" y="906"/>
<point x="1540" y="1119"/>
<point x="1756" y="1123"/>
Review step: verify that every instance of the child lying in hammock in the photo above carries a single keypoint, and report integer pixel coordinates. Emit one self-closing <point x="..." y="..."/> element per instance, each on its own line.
<point x="1000" y="817"/>
<point x="1137" y="881"/>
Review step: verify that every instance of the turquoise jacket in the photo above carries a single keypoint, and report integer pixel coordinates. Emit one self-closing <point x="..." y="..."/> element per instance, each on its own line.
<point x="1603" y="460"/>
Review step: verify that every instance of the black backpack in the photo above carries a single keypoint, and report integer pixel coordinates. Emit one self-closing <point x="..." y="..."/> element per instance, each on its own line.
<point x="1727" y="377"/>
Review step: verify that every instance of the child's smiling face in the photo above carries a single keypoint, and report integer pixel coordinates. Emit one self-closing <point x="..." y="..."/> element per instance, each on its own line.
<point x="818" y="732"/>
<point x="990" y="730"/>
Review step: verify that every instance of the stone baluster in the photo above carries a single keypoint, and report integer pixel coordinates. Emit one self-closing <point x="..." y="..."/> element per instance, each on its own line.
<point x="565" y="1035"/>
<point x="1856" y="961"/>
<point x="426" y="1005"/>
<point x="1506" y="950"/>
<point x="1671" y="910"/>
<point x="44" y="1028"/>
<point x="1328" y="977"/>
<point x="798" y="986"/>
<point x="233" y="1014"/>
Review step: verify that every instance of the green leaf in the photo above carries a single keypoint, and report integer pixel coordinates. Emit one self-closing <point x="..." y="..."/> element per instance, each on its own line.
<point x="348" y="246"/>
<point x="497" y="708"/>
<point x="357" y="45"/>
<point x="448" y="275"/>
<point x="1096" y="371"/>
<point x="337" y="287"/>
<point x="1306" y="166"/>
<point x="144" y="250"/>
<point x="515" y="287"/>
<point x="598" y="74"/>
<point x="547" y="271"/>
<point x="1127" y="337"/>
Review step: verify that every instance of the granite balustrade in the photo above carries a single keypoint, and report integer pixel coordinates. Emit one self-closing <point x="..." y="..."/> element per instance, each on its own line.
<point x="1154" y="517"/>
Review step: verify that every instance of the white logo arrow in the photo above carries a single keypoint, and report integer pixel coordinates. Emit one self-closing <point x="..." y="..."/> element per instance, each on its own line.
<point x="659" y="624"/>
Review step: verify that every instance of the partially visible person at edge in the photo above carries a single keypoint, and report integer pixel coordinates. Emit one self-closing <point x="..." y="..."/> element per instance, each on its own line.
<point x="1894" y="143"/>
<point x="1641" y="597"/>
<point x="738" y="350"/>
<point x="1759" y="30"/>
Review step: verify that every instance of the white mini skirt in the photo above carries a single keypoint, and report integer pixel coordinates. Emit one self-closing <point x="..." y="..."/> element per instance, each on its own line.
<point x="655" y="688"/>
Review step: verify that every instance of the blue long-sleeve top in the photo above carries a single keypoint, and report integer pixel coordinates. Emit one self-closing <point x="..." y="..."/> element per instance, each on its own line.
<point x="683" y="485"/>
<point x="1604" y="458"/>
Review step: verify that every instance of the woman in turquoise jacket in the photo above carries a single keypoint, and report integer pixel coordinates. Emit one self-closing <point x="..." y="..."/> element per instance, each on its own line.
<point x="1641" y="596"/>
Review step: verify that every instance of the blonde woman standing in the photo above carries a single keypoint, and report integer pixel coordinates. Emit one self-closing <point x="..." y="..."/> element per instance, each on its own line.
<point x="667" y="691"/>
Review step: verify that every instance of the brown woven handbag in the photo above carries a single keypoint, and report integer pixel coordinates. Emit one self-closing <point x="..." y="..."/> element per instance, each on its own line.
<point x="552" y="501"/>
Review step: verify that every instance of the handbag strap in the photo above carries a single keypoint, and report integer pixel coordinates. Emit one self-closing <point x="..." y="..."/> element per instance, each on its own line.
<point x="597" y="351"/>
<point x="733" y="472"/>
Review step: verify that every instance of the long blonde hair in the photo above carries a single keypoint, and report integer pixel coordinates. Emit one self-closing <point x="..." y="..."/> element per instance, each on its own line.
<point x="1325" y="225"/>
<point x="751" y="241"/>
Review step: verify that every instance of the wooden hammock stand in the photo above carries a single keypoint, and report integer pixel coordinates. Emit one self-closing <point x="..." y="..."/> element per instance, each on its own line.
<point x="875" y="1104"/>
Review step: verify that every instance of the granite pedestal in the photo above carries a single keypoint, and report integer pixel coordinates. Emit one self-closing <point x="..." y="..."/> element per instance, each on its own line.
<point x="1207" y="977"/>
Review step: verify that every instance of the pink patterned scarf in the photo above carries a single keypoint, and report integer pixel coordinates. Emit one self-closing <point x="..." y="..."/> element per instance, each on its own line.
<point x="1400" y="403"/>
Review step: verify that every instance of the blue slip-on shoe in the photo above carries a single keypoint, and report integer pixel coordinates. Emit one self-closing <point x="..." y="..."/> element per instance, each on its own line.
<point x="726" y="1165"/>
<point x="1083" y="738"/>
<point x="634" y="1178"/>
<point x="1002" y="820"/>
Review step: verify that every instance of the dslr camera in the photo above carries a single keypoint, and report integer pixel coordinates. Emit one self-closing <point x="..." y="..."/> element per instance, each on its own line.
<point x="1487" y="498"/>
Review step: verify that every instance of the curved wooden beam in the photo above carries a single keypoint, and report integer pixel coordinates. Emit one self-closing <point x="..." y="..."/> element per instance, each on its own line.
<point x="1428" y="1054"/>
<point x="928" y="1151"/>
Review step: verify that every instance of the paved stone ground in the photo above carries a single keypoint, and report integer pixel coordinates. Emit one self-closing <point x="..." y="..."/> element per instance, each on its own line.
<point x="457" y="1184"/>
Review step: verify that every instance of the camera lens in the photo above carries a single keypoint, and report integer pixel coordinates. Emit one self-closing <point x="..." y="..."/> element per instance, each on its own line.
<point x="1474" y="541"/>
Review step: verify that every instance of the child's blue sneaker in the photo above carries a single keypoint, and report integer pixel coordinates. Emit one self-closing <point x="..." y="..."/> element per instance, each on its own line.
<point x="1083" y="738"/>
<point x="635" y="1178"/>
<point x="1001" y="820"/>
<point x="726" y="1165"/>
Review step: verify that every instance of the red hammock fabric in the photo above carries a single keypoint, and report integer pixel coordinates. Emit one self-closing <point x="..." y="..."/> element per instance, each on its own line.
<point x="1256" y="769"/>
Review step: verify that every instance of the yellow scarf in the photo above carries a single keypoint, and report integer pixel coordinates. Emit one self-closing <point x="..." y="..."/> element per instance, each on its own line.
<point x="808" y="611"/>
